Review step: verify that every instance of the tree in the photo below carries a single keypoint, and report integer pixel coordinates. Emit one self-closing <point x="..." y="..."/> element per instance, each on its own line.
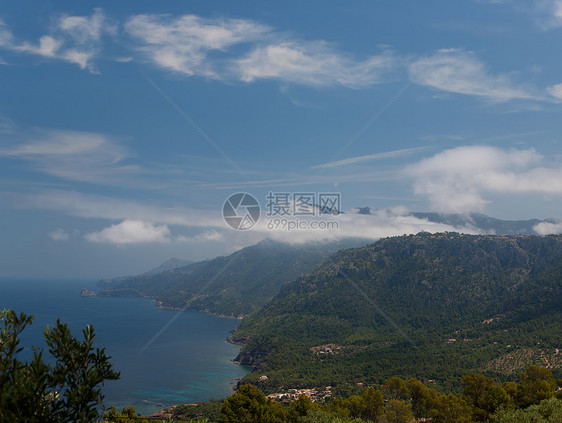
<point x="127" y="415"/>
<point x="67" y="391"/>
<point x="250" y="405"/>
<point x="483" y="395"/>
<point x="422" y="398"/>
<point x="547" y="411"/>
<point x="537" y="384"/>
<point x="318" y="416"/>
<point x="451" y="409"/>
<point x="397" y="411"/>
<point x="395" y="388"/>
<point x="300" y="408"/>
<point x="368" y="406"/>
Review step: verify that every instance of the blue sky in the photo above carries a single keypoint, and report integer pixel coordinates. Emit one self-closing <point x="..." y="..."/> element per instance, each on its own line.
<point x="124" y="126"/>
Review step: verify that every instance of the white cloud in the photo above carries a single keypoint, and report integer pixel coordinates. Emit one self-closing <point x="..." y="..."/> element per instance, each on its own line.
<point x="458" y="71"/>
<point x="549" y="13"/>
<point x="131" y="232"/>
<point x="81" y="58"/>
<point x="85" y="29"/>
<point x="59" y="235"/>
<point x="73" y="155"/>
<point x="556" y="9"/>
<point x="547" y="228"/>
<point x="313" y="63"/>
<point x="379" y="224"/>
<point x="555" y="91"/>
<point x="183" y="43"/>
<point x="207" y="236"/>
<point x="458" y="180"/>
<point x="149" y="223"/>
<point x="6" y="36"/>
<point x="48" y="46"/>
<point x="193" y="45"/>
<point x="74" y="39"/>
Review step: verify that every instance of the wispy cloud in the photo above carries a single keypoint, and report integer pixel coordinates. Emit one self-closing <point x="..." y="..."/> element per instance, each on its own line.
<point x="192" y="45"/>
<point x="556" y="11"/>
<point x="74" y="39"/>
<point x="303" y="180"/>
<point x="243" y="50"/>
<point x="370" y="157"/>
<point x="459" y="71"/>
<point x="493" y="1"/>
<point x="6" y="37"/>
<point x="59" y="235"/>
<point x="312" y="63"/>
<point x="73" y="155"/>
<point x="104" y="207"/>
<point x="7" y="125"/>
<point x="183" y="43"/>
<point x="549" y="13"/>
<point x="211" y="235"/>
<point x="139" y="223"/>
<point x="131" y="232"/>
<point x="458" y="180"/>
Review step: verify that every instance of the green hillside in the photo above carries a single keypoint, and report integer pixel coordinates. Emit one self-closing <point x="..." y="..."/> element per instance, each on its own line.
<point x="233" y="285"/>
<point x="428" y="306"/>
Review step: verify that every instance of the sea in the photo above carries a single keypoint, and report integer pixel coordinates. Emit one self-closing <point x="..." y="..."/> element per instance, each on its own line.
<point x="165" y="357"/>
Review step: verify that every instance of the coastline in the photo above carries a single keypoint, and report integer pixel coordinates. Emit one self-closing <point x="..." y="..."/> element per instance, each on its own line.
<point x="157" y="303"/>
<point x="226" y="316"/>
<point x="163" y="414"/>
<point x="228" y="339"/>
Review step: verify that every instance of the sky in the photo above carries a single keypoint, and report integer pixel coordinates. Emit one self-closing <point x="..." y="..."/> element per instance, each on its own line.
<point x="125" y="126"/>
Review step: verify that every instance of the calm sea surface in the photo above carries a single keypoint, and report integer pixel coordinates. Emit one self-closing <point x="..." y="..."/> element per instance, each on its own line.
<point x="189" y="362"/>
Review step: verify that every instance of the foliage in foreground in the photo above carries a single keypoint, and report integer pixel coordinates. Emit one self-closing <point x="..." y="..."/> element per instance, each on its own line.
<point x="67" y="391"/>
<point x="533" y="399"/>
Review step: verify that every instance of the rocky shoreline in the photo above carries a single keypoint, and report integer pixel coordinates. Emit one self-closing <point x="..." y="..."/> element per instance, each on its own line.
<point x="87" y="293"/>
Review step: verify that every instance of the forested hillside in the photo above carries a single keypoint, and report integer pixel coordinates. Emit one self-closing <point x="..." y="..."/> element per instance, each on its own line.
<point x="431" y="306"/>
<point x="233" y="285"/>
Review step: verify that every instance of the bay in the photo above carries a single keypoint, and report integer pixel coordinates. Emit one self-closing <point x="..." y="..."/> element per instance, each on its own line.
<point x="187" y="361"/>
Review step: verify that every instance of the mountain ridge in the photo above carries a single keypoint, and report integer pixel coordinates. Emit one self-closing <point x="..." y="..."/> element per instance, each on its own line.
<point x="232" y="285"/>
<point x="425" y="305"/>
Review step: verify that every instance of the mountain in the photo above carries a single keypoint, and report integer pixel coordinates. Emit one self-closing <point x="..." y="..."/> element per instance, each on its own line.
<point x="234" y="285"/>
<point x="477" y="221"/>
<point x="430" y="306"/>
<point x="169" y="264"/>
<point x="253" y="281"/>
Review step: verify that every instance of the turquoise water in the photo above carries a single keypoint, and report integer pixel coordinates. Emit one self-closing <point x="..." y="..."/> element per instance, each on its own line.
<point x="189" y="362"/>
